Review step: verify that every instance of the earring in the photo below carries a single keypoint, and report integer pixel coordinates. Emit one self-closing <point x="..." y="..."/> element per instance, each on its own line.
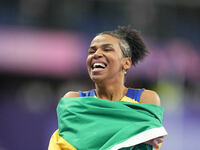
<point x="125" y="72"/>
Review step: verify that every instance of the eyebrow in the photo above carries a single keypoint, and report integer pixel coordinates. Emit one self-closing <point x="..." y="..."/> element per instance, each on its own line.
<point x="104" y="45"/>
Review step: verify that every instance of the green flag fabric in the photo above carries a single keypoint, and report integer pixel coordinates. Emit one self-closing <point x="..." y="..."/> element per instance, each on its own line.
<point x="90" y="123"/>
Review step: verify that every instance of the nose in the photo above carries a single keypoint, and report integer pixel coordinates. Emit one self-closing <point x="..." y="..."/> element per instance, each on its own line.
<point x="98" y="53"/>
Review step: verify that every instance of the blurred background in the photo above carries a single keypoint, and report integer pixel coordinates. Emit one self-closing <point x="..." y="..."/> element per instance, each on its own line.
<point x="43" y="47"/>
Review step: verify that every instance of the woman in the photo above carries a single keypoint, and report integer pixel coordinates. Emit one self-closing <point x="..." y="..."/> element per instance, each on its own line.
<point x="110" y="55"/>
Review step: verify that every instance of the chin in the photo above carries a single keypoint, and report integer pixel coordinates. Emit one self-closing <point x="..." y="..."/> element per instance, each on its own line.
<point x="97" y="79"/>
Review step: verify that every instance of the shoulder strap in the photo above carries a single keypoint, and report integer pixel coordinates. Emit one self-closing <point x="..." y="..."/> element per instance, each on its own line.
<point x="87" y="93"/>
<point x="134" y="94"/>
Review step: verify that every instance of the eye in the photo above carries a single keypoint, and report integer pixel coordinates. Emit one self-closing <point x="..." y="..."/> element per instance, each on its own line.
<point x="91" y="51"/>
<point x="108" y="49"/>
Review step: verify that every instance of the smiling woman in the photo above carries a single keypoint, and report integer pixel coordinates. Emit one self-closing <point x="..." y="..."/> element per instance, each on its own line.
<point x="110" y="55"/>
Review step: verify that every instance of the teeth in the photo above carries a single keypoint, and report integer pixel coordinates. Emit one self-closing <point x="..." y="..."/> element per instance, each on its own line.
<point x="99" y="64"/>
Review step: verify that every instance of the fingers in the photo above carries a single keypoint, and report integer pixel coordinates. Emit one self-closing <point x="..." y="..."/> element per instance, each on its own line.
<point x="155" y="142"/>
<point x="159" y="140"/>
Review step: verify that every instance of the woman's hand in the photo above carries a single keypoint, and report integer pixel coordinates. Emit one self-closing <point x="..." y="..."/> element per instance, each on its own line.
<point x="155" y="142"/>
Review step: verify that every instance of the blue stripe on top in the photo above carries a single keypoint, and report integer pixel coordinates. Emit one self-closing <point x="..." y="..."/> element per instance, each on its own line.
<point x="87" y="93"/>
<point x="132" y="93"/>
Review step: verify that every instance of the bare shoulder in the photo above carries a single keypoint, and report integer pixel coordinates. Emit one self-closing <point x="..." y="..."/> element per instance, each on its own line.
<point x="149" y="96"/>
<point x="72" y="94"/>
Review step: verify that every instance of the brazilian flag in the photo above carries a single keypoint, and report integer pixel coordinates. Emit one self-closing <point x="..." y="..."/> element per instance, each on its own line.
<point x="88" y="123"/>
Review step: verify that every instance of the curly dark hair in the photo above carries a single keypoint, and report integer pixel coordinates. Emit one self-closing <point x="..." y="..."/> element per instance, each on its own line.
<point x="131" y="43"/>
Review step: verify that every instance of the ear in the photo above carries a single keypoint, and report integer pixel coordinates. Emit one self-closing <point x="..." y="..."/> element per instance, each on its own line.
<point x="127" y="63"/>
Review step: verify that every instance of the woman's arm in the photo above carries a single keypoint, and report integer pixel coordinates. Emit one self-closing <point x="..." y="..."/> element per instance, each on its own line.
<point x="72" y="94"/>
<point x="152" y="97"/>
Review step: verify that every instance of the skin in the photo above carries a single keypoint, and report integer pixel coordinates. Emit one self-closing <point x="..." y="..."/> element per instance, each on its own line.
<point x="109" y="83"/>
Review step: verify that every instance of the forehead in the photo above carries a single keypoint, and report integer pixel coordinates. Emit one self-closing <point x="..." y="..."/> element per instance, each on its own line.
<point x="105" y="39"/>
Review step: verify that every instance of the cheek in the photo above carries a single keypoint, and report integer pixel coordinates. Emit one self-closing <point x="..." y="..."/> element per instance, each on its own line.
<point x="115" y="59"/>
<point x="88" y="61"/>
<point x="116" y="63"/>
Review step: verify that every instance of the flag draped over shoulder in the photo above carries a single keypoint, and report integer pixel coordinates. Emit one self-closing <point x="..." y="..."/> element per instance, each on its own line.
<point x="88" y="123"/>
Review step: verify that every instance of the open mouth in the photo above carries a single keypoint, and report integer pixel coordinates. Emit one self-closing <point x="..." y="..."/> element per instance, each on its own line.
<point x="98" y="66"/>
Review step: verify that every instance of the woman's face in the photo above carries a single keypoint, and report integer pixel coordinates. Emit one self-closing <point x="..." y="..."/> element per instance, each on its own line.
<point x="105" y="59"/>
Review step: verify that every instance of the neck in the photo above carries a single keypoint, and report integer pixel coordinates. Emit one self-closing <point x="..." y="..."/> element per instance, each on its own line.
<point x="110" y="90"/>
